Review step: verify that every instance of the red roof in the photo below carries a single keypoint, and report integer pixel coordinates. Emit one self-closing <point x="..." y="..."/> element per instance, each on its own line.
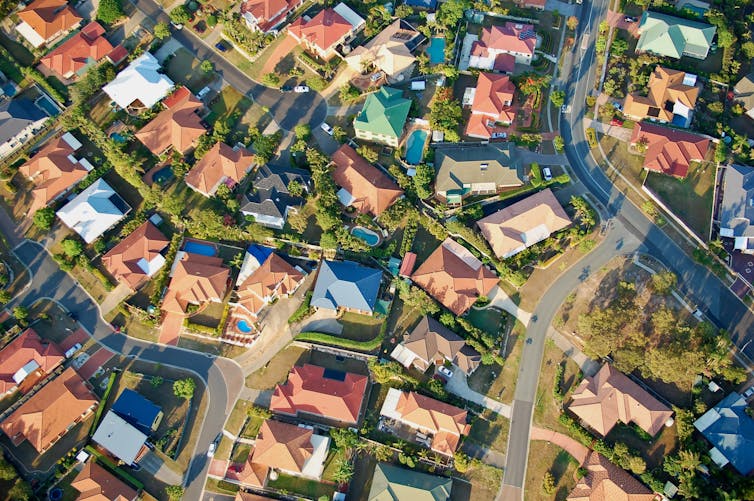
<point x="129" y="261"/>
<point x="322" y="392"/>
<point x="25" y="348"/>
<point x="50" y="17"/>
<point x="505" y="38"/>
<point x="407" y="266"/>
<point x="323" y="31"/>
<point x="670" y="151"/>
<point x="118" y="54"/>
<point x="81" y="50"/>
<point x="372" y="190"/>
<point x="494" y="96"/>
<point x="505" y="63"/>
<point x="178" y="126"/>
<point x="268" y="13"/>
<point x="221" y="164"/>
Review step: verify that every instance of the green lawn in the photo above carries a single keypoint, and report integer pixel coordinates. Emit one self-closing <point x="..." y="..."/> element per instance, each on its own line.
<point x="309" y="488"/>
<point x="490" y="429"/>
<point x="252" y="427"/>
<point x="240" y="453"/>
<point x="237" y="416"/>
<point x="360" y="327"/>
<point x="184" y="69"/>
<point x="489" y="320"/>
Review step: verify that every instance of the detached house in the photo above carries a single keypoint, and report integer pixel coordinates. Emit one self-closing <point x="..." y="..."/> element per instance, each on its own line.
<point x="736" y="213"/>
<point x="325" y="31"/>
<point x="674" y="37"/>
<point x="75" y="56"/>
<point x="222" y="164"/>
<point x="605" y="481"/>
<point x="743" y="92"/>
<point x="121" y="439"/>
<point x="383" y="117"/>
<point x="730" y="430"/>
<point x="390" y="51"/>
<point x="270" y="200"/>
<point x="391" y="483"/>
<point x="669" y="151"/>
<point x="270" y="278"/>
<point x="177" y="127"/>
<point x="498" y="43"/>
<point x="94" y="211"/>
<point x="671" y="97"/>
<point x="267" y="15"/>
<point x="491" y="106"/>
<point x="20" y="120"/>
<point x="138" y="410"/>
<point x="196" y="279"/>
<point x="363" y="186"/>
<point x="346" y="286"/>
<point x="136" y="258"/>
<point x="95" y="483"/>
<point x="26" y="360"/>
<point x="140" y="85"/>
<point x="44" y="21"/>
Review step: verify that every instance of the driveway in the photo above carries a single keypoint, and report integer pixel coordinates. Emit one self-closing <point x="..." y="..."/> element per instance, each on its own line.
<point x="157" y="467"/>
<point x="618" y="132"/>
<point x="322" y="321"/>
<point x="499" y="299"/>
<point x="459" y="386"/>
<point x="325" y="141"/>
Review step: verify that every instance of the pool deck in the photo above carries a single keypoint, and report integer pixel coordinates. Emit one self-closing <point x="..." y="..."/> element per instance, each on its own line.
<point x="148" y="177"/>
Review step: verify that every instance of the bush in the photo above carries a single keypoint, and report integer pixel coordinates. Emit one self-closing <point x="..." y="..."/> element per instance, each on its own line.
<point x="212" y="20"/>
<point x="72" y="247"/>
<point x="317" y="83"/>
<point x="184" y="388"/>
<point x="110" y="11"/>
<point x="303" y="311"/>
<point x="180" y="15"/>
<point x="349" y="344"/>
<point x="44" y="218"/>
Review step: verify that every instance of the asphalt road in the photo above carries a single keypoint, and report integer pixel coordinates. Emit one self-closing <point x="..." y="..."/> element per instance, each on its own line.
<point x="287" y="108"/>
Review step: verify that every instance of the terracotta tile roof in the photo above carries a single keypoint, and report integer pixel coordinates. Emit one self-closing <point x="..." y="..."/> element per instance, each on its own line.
<point x="222" y="163"/>
<point x="373" y="191"/>
<point x="178" y="126"/>
<point x="275" y="277"/>
<point x="523" y="224"/>
<point x="606" y="482"/>
<point x="670" y="151"/>
<point x="323" y="392"/>
<point x="83" y="49"/>
<point x="23" y="349"/>
<point x="454" y="277"/>
<point x="283" y="446"/>
<point x="52" y="170"/>
<point x="268" y="13"/>
<point x="505" y="63"/>
<point x="445" y="421"/>
<point x="129" y="261"/>
<point x="483" y="126"/>
<point x="494" y="96"/>
<point x="610" y="396"/>
<point x="49" y="17"/>
<point x="253" y="474"/>
<point x="197" y="279"/>
<point x="505" y="37"/>
<point x="46" y="416"/>
<point x="665" y="88"/>
<point x="407" y="265"/>
<point x="432" y="341"/>
<point x="97" y="484"/>
<point x="118" y="54"/>
<point x="323" y="30"/>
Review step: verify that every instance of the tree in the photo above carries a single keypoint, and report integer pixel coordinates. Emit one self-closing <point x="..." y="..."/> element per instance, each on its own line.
<point x="5" y="297"/>
<point x="451" y="12"/>
<point x="338" y="133"/>
<point x="721" y="152"/>
<point x="44" y="218"/>
<point x="21" y="313"/>
<point x="748" y="49"/>
<point x="174" y="492"/>
<point x="369" y="153"/>
<point x="349" y="93"/>
<point x="344" y="439"/>
<point x="530" y="83"/>
<point x="663" y="282"/>
<point x="7" y="470"/>
<point x="207" y="66"/>
<point x="548" y="483"/>
<point x="21" y="491"/>
<point x="618" y="47"/>
<point x="161" y="31"/>
<point x="180" y="15"/>
<point x="184" y="388"/>
<point x="295" y="188"/>
<point x="558" y="143"/>
<point x="403" y="11"/>
<point x="271" y="80"/>
<point x="156" y="381"/>
<point x="109" y="11"/>
<point x="303" y="131"/>
<point x="423" y="180"/>
<point x="558" y="98"/>
<point x="716" y="108"/>
<point x="445" y="114"/>
<point x="72" y="247"/>
<point x="572" y="23"/>
<point x="212" y="20"/>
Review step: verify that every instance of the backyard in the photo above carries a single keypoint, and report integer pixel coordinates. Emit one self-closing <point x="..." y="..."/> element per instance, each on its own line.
<point x="360" y="327"/>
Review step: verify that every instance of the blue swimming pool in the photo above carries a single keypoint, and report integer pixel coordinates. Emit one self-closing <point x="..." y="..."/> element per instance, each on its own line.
<point x="436" y="50"/>
<point x="117" y="137"/>
<point x="367" y="235"/>
<point x="163" y="175"/>
<point x="415" y="146"/>
<point x="243" y="326"/>
<point x="199" y="248"/>
<point x="48" y="106"/>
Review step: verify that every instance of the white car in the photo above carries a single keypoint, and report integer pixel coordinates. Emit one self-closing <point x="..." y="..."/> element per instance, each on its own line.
<point x="301" y="88"/>
<point x="547" y="173"/>
<point x="203" y="92"/>
<point x="445" y="371"/>
<point x="211" y="450"/>
<point x="749" y="392"/>
<point x="326" y="128"/>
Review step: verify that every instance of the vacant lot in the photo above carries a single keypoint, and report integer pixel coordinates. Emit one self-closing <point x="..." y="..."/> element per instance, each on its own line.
<point x="500" y="382"/>
<point x="544" y="457"/>
<point x="276" y="370"/>
<point x="490" y="430"/>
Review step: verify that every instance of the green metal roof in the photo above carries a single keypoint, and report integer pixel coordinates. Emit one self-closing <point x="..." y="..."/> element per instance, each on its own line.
<point x="391" y="483"/>
<point x="385" y="112"/>
<point x="673" y="36"/>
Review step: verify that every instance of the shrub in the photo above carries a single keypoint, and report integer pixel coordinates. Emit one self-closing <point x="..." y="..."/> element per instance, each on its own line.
<point x="184" y="388"/>
<point x="317" y="83"/>
<point x="72" y="247"/>
<point x="110" y="11"/>
<point x="180" y="15"/>
<point x="349" y="344"/>
<point x="44" y="218"/>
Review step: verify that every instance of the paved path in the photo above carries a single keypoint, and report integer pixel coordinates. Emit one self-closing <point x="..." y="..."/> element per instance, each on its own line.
<point x="571" y="446"/>
<point x="487" y="455"/>
<point x="459" y="386"/>
<point x="588" y="366"/>
<point x="115" y="297"/>
<point x="499" y="299"/>
<point x="618" y="132"/>
<point x="157" y="467"/>
<point x="97" y="360"/>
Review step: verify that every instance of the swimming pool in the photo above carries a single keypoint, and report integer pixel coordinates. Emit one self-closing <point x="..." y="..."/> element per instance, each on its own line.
<point x="118" y="138"/>
<point x="243" y="326"/>
<point x="163" y="175"/>
<point x="367" y="235"/>
<point x="415" y="146"/>
<point x="436" y="50"/>
<point x="48" y="106"/>
<point x="199" y="248"/>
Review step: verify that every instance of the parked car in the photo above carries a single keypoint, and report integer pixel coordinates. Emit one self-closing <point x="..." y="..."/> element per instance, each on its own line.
<point x="326" y="128"/>
<point x="286" y="88"/>
<point x="445" y="371"/>
<point x="211" y="450"/>
<point x="547" y="173"/>
<point x="72" y="350"/>
<point x="203" y="92"/>
<point x="617" y="122"/>
<point x="221" y="47"/>
<point x="301" y="89"/>
<point x="748" y="393"/>
<point x="630" y="19"/>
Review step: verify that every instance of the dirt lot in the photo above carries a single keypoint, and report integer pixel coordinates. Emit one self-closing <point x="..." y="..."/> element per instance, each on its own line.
<point x="544" y="457"/>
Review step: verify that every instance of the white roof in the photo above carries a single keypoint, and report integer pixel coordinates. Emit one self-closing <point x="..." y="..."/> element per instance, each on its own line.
<point x="718" y="457"/>
<point x="345" y="197"/>
<point x="34" y="38"/>
<point x="71" y="141"/>
<point x="689" y="79"/>
<point x="140" y="80"/>
<point x="24" y="371"/>
<point x="153" y="266"/>
<point x="119" y="438"/>
<point x="94" y="211"/>
<point x="391" y="403"/>
<point x="85" y="164"/>
<point x="403" y="355"/>
<point x="349" y="15"/>
<point x="314" y="466"/>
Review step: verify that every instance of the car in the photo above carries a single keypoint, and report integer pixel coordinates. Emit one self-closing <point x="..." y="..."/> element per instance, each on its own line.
<point x="221" y="47"/>
<point x="176" y="26"/>
<point x="326" y="128"/>
<point x="617" y="106"/>
<point x="286" y="88"/>
<point x="200" y="27"/>
<point x="203" y="92"/>
<point x="617" y="122"/>
<point x="211" y="450"/>
<point x="72" y="350"/>
<point x="547" y="174"/>
<point x="301" y="89"/>
<point x="445" y="371"/>
<point x="630" y="19"/>
<point x="749" y="392"/>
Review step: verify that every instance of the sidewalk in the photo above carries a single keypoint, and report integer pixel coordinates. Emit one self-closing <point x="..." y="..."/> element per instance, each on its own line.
<point x="572" y="447"/>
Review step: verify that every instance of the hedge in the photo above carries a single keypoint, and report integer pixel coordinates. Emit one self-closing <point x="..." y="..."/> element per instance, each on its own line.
<point x="349" y="344"/>
<point x="103" y="402"/>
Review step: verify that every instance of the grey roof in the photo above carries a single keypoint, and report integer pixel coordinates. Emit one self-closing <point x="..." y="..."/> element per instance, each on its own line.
<point x="270" y="195"/>
<point x="737" y="207"/>
<point x="461" y="164"/>
<point x="16" y="115"/>
<point x="430" y="338"/>
<point x="744" y="91"/>
<point x="391" y="483"/>
<point x="119" y="437"/>
<point x="731" y="431"/>
<point x="345" y="284"/>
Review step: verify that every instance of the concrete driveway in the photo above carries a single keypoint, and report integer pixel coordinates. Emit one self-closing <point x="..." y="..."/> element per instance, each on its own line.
<point x="157" y="467"/>
<point x="499" y="299"/>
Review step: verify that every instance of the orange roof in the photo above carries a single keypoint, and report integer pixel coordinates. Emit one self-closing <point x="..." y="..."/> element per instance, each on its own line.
<point x="315" y="390"/>
<point x="524" y="223"/>
<point x="276" y="277"/>
<point x="253" y="474"/>
<point x="129" y="260"/>
<point x="52" y="170"/>
<point x="606" y="482"/>
<point x="49" y="17"/>
<point x="23" y="349"/>
<point x="97" y="484"/>
<point x="268" y="13"/>
<point x="507" y="37"/>
<point x="283" y="446"/>
<point x="494" y="96"/>
<point x="82" y="49"/>
<point x="248" y="496"/>
<point x="197" y="279"/>
<point x="407" y="265"/>
<point x="670" y="151"/>
<point x="46" y="416"/>
<point x="219" y="164"/>
<point x="454" y="277"/>
<point x="177" y="126"/>
<point x="610" y="396"/>
<point x="372" y="190"/>
<point x="483" y="126"/>
<point x="445" y="421"/>
<point x="665" y="88"/>
<point x="323" y="31"/>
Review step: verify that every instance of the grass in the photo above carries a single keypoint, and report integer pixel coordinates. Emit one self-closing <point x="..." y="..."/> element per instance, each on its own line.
<point x="224" y="448"/>
<point x="331" y="464"/>
<point x="490" y="429"/>
<point x="360" y="327"/>
<point x="653" y="451"/>
<point x="102" y="113"/>
<point x="255" y="72"/>
<point x="214" y="485"/>
<point x="544" y="457"/>
<point x="546" y="408"/>
<point x="227" y="102"/>
<point x="237" y="416"/>
<point x="500" y="382"/>
<point x="69" y="493"/>
<point x="240" y="453"/>
<point x="626" y="163"/>
<point x="252" y="427"/>
<point x="213" y="347"/>
<point x="485" y="481"/>
<point x="350" y="344"/>
<point x="308" y="488"/>
<point x="183" y="68"/>
<point x="276" y="370"/>
<point x="489" y="320"/>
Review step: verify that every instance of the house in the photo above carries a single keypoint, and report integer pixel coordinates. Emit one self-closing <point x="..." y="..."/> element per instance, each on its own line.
<point x="270" y="201"/>
<point x="267" y="15"/>
<point x="51" y="412"/>
<point x="510" y="39"/>
<point x="273" y="278"/>
<point x="94" y="211"/>
<point x="222" y="164"/>
<point x="431" y="343"/>
<point x="138" y="410"/>
<point x="288" y="449"/>
<point x="391" y="483"/>
<point x="454" y="277"/>
<point x="730" y="430"/>
<point x="422" y="4"/>
<point x="44" y="21"/>
<point x="325" y="31"/>
<point x="407" y="265"/>
<point x="177" y="127"/>
<point x="137" y="257"/>
<point x="444" y="424"/>
<point x="95" y="483"/>
<point x="331" y="394"/>
<point x="669" y="151"/>
<point x="606" y="398"/>
<point x="523" y="224"/>
<point x="383" y="117"/>
<point x="75" y="56"/>
<point x="736" y="213"/>
<point x="26" y="360"/>
<point x="20" y="120"/>
<point x="347" y="286"/>
<point x="491" y="104"/>
<point x="140" y="85"/>
<point x="121" y="439"/>
<point x="674" y="37"/>
<point x="363" y="186"/>
<point x="196" y="279"/>
<point x="390" y="51"/>
<point x="743" y="92"/>
<point x="670" y="98"/>
<point x="531" y="4"/>
<point x="605" y="481"/>
<point x="54" y="170"/>
<point x="464" y="170"/>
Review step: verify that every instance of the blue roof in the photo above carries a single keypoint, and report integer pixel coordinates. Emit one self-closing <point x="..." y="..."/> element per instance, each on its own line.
<point x="425" y="4"/>
<point x="345" y="284"/>
<point x="136" y="409"/>
<point x="259" y="252"/>
<point x="731" y="431"/>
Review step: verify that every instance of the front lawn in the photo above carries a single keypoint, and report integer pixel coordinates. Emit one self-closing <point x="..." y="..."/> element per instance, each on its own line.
<point x="500" y="382"/>
<point x="546" y="457"/>
<point x="485" y="482"/>
<point x="360" y="327"/>
<point x="276" y="370"/>
<point x="490" y="430"/>
<point x="489" y="320"/>
<point x="547" y="409"/>
<point x="184" y="69"/>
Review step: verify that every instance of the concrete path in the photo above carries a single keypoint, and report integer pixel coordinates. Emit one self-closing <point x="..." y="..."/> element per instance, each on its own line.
<point x="468" y="41"/>
<point x="257" y="397"/>
<point x="460" y="387"/>
<point x="571" y="446"/>
<point x="620" y="133"/>
<point x="168" y="49"/>
<point x="499" y="299"/>
<point x="115" y="297"/>
<point x="344" y="111"/>
<point x="485" y="454"/>
<point x="160" y="470"/>
<point x="588" y="366"/>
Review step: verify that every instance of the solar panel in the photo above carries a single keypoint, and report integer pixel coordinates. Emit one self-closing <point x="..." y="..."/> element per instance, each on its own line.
<point x="526" y="34"/>
<point x="334" y="374"/>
